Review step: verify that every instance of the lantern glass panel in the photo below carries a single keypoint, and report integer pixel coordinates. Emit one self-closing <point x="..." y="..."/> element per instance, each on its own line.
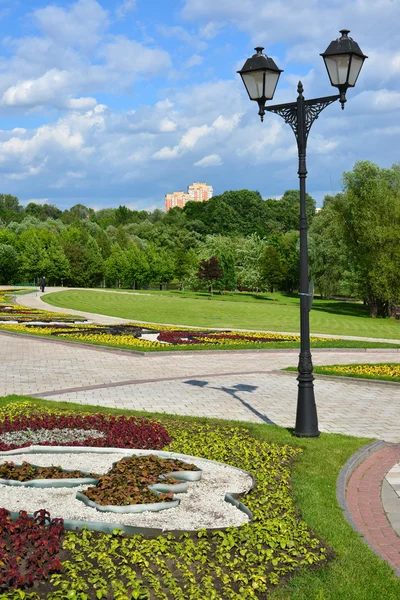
<point x="271" y="80"/>
<point x="338" y="67"/>
<point x="355" y="68"/>
<point x="254" y="82"/>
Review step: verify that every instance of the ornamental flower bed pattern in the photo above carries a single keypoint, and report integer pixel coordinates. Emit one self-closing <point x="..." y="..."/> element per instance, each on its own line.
<point x="119" y="432"/>
<point x="242" y="562"/>
<point x="28" y="548"/>
<point x="156" y="337"/>
<point x="127" y="482"/>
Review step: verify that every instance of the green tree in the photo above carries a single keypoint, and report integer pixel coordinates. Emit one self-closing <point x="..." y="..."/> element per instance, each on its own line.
<point x="369" y="215"/>
<point x="248" y="254"/>
<point x="8" y="264"/>
<point x="185" y="264"/>
<point x="210" y="271"/>
<point x="10" y="208"/>
<point x="272" y="268"/>
<point x="84" y="256"/>
<point x="115" y="267"/>
<point x="137" y="270"/>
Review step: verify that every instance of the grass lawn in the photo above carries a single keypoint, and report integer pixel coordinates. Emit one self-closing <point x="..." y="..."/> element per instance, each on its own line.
<point x="268" y="312"/>
<point x="355" y="573"/>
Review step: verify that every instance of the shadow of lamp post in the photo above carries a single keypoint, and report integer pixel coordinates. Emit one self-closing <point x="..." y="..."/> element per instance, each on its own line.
<point x="343" y="60"/>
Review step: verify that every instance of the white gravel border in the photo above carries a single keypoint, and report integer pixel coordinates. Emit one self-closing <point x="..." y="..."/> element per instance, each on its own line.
<point x="203" y="506"/>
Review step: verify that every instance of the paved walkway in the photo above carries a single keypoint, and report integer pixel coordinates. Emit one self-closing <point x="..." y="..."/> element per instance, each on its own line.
<point x="247" y="386"/>
<point x="244" y="386"/>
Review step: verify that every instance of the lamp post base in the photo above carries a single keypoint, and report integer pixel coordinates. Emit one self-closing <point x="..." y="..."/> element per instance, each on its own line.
<point x="306" y="417"/>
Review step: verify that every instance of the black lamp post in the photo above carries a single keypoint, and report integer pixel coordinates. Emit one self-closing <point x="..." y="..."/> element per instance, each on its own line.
<point x="343" y="60"/>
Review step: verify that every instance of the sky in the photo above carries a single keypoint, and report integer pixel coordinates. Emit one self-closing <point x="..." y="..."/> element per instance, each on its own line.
<point x="109" y="102"/>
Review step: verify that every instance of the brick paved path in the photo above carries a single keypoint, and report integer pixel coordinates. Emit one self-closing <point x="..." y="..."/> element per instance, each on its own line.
<point x="244" y="386"/>
<point x="364" y="502"/>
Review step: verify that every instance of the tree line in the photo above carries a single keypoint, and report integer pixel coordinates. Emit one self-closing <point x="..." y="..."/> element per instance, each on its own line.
<point x="353" y="242"/>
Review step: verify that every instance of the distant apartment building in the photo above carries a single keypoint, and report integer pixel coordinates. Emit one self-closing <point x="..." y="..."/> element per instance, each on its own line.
<point x="197" y="192"/>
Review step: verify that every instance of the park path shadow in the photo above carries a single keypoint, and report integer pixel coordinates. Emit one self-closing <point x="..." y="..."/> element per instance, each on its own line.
<point x="233" y="392"/>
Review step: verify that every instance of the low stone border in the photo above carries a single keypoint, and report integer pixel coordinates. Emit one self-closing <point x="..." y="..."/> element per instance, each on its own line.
<point x="358" y="492"/>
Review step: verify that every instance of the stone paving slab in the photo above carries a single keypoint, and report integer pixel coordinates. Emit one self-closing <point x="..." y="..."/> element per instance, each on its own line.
<point x="242" y="386"/>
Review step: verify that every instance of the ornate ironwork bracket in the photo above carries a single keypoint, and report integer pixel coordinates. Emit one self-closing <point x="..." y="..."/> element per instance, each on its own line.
<point x="312" y="110"/>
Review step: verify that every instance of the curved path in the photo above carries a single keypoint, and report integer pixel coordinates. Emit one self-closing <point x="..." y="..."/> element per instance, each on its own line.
<point x="237" y="385"/>
<point x="372" y="499"/>
<point x="38" y="300"/>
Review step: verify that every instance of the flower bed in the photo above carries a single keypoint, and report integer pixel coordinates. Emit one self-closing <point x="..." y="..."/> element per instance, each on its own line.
<point x="134" y="336"/>
<point x="119" y="432"/>
<point x="244" y="562"/>
<point x="387" y="372"/>
<point x="28" y="548"/>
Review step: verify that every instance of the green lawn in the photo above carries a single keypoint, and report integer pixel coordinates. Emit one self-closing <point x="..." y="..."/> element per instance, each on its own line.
<point x="247" y="311"/>
<point x="355" y="573"/>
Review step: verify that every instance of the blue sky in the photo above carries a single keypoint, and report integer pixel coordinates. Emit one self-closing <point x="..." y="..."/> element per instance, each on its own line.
<point x="109" y="102"/>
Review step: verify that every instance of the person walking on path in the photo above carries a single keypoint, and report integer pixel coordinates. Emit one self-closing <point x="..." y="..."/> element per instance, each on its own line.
<point x="43" y="284"/>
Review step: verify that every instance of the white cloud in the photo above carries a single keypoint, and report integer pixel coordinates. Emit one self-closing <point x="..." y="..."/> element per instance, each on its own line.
<point x="79" y="25"/>
<point x="167" y="153"/>
<point x="212" y="160"/>
<point x="211" y="30"/>
<point x="51" y="88"/>
<point x="167" y="125"/>
<point x="194" y="61"/>
<point x="124" y="8"/>
<point x="129" y="56"/>
<point x="227" y="123"/>
<point x="197" y="134"/>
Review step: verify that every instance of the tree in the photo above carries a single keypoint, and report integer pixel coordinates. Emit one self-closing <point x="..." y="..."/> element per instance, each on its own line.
<point x="85" y="260"/>
<point x="367" y="215"/>
<point x="286" y="211"/>
<point x="210" y="271"/>
<point x="137" y="270"/>
<point x="327" y="253"/>
<point x="8" y="264"/>
<point x="248" y="254"/>
<point x="57" y="268"/>
<point x="43" y="211"/>
<point x="10" y="208"/>
<point x="115" y="267"/>
<point x="272" y="268"/>
<point x="185" y="264"/>
<point x="223" y="248"/>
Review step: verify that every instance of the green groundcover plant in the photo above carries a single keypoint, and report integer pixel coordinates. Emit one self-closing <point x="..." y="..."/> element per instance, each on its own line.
<point x="235" y="563"/>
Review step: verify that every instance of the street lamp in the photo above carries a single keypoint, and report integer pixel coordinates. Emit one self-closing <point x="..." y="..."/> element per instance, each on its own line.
<point x="343" y="60"/>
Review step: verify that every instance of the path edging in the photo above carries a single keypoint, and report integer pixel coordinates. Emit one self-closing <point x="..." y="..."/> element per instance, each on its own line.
<point x="341" y="485"/>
